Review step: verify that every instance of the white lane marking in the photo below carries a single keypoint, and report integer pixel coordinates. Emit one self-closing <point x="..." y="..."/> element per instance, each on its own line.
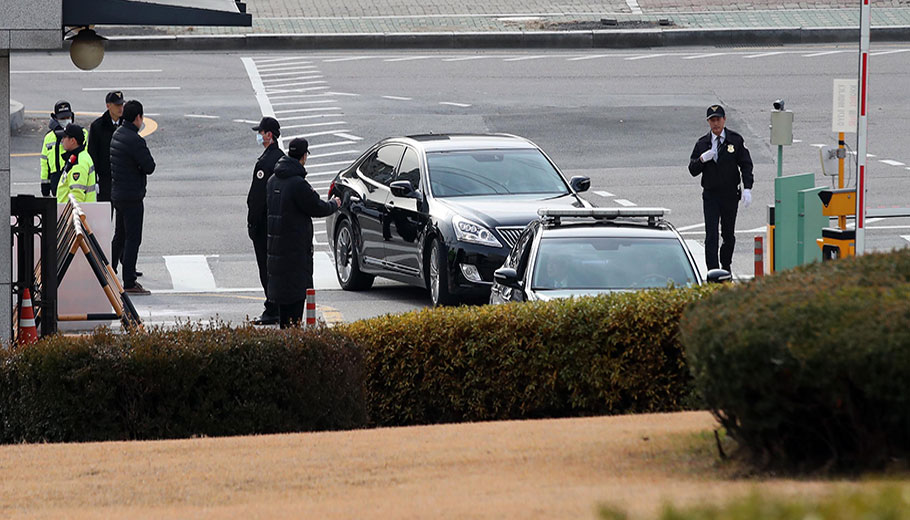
<point x="128" y="89"/>
<point x="321" y="174"/>
<point x="348" y="137"/>
<point x="324" y="272"/>
<point x="313" y="116"/>
<point x="764" y="54"/>
<point x="311" y="134"/>
<point x="906" y="237"/>
<point x="466" y="58"/>
<point x="293" y="73"/>
<point x="762" y="229"/>
<point x="700" y="56"/>
<point x="892" y="163"/>
<point x="343" y="94"/>
<point x="282" y="66"/>
<point x="298" y="83"/>
<point x="882" y="53"/>
<point x="265" y="106"/>
<point x="201" y="116"/>
<point x="826" y="53"/>
<point x="408" y="58"/>
<point x="462" y="105"/>
<point x="624" y="202"/>
<point x="190" y="273"/>
<point x="313" y="125"/>
<point x="525" y="58"/>
<point x="246" y="121"/>
<point x="349" y="58"/>
<point x="693" y="226"/>
<point x="313" y="75"/>
<point x="314" y="109"/>
<point x="273" y="60"/>
<point x="591" y="57"/>
<point x="322" y="165"/>
<point x="294" y="90"/>
<point x="108" y="71"/>
<point x="312" y="102"/>
<point x="633" y="5"/>
<point x="398" y="98"/>
<point x="604" y="194"/>
<point x="645" y="57"/>
<point x="797" y="140"/>
<point x="326" y="145"/>
<point x="330" y="154"/>
<point x="818" y="145"/>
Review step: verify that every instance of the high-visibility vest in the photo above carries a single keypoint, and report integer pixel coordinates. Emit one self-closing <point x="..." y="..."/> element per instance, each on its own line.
<point x="78" y="179"/>
<point x="52" y="155"/>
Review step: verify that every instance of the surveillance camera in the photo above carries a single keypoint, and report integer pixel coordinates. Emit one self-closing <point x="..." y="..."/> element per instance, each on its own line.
<point x="779" y="104"/>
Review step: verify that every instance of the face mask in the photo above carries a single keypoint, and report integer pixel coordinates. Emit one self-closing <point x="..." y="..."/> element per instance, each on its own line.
<point x="64" y="122"/>
<point x="260" y="139"/>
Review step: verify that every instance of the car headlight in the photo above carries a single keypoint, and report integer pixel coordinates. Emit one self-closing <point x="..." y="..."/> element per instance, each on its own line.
<point x="474" y="233"/>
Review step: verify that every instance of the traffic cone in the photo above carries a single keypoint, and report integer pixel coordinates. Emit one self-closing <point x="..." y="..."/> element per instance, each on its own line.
<point x="28" y="333"/>
<point x="311" y="307"/>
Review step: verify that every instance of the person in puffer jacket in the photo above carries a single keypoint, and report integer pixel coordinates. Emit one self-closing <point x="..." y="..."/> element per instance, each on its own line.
<point x="292" y="203"/>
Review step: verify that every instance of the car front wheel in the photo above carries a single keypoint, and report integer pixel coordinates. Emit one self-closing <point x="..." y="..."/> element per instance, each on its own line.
<point x="438" y="277"/>
<point x="347" y="266"/>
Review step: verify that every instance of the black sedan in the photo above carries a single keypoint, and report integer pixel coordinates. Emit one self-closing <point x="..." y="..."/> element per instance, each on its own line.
<point x="441" y="211"/>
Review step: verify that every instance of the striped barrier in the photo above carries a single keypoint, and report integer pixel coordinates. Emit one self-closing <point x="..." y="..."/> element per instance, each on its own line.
<point x="759" y="257"/>
<point x="311" y="307"/>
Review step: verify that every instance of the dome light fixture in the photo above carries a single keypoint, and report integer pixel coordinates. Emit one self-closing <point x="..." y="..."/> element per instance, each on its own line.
<point x="87" y="48"/>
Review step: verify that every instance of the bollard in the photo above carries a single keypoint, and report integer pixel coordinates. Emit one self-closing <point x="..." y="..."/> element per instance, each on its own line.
<point x="311" y="307"/>
<point x="759" y="257"/>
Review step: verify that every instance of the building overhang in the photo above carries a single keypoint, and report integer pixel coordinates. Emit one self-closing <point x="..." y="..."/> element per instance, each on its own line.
<point x="156" y="12"/>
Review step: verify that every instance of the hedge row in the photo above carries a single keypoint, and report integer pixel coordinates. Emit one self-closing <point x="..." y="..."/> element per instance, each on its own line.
<point x="809" y="369"/>
<point x="612" y="354"/>
<point x="182" y="383"/>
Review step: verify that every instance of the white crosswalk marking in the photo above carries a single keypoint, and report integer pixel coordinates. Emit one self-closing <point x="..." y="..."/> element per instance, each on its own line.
<point x="700" y="56"/>
<point x="644" y="57"/>
<point x="891" y="163"/>
<point x="825" y="53"/>
<point x="764" y="55"/>
<point x="591" y="57"/>
<point x="624" y="202"/>
<point x="604" y="194"/>
<point x="190" y="273"/>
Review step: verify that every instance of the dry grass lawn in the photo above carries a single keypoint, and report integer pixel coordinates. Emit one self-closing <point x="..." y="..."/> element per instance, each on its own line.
<point x="546" y="469"/>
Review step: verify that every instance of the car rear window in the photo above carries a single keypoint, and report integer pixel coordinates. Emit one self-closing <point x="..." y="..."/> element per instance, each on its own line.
<point x="610" y="263"/>
<point x="493" y="172"/>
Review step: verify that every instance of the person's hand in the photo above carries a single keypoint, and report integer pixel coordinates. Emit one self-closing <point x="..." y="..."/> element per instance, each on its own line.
<point x="747" y="197"/>
<point x="46" y="189"/>
<point x="337" y="201"/>
<point x="707" y="156"/>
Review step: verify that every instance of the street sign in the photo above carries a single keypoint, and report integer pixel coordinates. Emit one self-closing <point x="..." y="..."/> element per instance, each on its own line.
<point x="845" y="106"/>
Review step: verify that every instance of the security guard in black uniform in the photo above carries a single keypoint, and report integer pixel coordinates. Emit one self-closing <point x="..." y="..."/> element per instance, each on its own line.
<point x="268" y="130"/>
<point x="722" y="159"/>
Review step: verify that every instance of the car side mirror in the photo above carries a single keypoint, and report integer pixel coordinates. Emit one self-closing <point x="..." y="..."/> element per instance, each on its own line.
<point x="580" y="183"/>
<point x="719" y="276"/>
<point x="403" y="189"/>
<point x="508" y="277"/>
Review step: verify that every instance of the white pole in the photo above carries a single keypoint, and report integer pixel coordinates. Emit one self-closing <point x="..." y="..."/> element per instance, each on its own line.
<point x="862" y="125"/>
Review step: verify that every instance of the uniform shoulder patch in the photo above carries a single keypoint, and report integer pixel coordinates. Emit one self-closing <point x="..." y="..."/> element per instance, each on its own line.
<point x="75" y="176"/>
<point x="260" y="174"/>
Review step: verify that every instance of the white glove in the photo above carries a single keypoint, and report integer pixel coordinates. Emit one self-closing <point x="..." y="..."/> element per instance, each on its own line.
<point x="747" y="197"/>
<point x="707" y="156"/>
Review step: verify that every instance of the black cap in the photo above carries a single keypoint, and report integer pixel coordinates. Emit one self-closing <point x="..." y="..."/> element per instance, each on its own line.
<point x="75" y="131"/>
<point x="115" y="97"/>
<point x="269" y="124"/>
<point x="715" y="111"/>
<point x="63" y="110"/>
<point x="298" y="148"/>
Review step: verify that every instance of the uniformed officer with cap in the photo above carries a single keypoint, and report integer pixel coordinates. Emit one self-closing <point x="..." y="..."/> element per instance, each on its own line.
<point x="78" y="175"/>
<point x="267" y="132"/>
<point x="100" y="134"/>
<point x="722" y="160"/>
<point x="52" y="150"/>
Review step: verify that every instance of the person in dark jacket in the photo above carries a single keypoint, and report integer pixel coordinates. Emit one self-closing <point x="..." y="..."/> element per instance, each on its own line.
<point x="131" y="164"/>
<point x="268" y="130"/>
<point x="292" y="204"/>
<point x="722" y="160"/>
<point x="99" y="142"/>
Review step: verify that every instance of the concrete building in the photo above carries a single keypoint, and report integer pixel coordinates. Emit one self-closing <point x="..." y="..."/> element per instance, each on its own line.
<point x="40" y="24"/>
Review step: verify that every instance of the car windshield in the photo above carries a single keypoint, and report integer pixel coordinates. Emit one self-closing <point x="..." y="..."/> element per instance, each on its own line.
<point x="493" y="172"/>
<point x="592" y="263"/>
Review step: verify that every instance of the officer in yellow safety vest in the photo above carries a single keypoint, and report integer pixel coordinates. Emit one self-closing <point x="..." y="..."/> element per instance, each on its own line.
<point x="78" y="176"/>
<point x="52" y="150"/>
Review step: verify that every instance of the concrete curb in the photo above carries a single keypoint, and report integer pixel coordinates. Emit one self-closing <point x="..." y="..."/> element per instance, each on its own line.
<point x="16" y="115"/>
<point x="618" y="39"/>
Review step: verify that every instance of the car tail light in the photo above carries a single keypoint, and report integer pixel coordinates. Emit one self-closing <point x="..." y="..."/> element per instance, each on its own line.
<point x="331" y="188"/>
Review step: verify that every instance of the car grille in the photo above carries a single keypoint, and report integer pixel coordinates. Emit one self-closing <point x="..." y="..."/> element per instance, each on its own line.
<point x="510" y="234"/>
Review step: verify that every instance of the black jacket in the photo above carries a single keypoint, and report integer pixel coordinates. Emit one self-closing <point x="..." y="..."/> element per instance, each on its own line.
<point x="257" y="213"/>
<point x="723" y="174"/>
<point x="292" y="203"/>
<point x="99" y="147"/>
<point x="131" y="164"/>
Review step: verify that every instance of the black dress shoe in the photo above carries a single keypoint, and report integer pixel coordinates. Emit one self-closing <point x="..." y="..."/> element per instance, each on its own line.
<point x="265" y="319"/>
<point x="138" y="273"/>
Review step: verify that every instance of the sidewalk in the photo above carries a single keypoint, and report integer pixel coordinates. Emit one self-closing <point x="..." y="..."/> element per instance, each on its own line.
<point x="299" y="17"/>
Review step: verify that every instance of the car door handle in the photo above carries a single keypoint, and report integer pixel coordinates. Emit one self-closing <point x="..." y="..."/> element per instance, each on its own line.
<point x="354" y="198"/>
<point x="390" y="205"/>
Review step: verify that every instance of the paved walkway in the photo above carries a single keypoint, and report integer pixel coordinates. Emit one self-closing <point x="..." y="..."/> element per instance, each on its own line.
<point x="407" y="16"/>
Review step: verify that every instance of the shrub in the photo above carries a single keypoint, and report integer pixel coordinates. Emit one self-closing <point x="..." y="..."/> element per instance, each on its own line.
<point x="180" y="383"/>
<point x="808" y="369"/>
<point x="611" y="354"/>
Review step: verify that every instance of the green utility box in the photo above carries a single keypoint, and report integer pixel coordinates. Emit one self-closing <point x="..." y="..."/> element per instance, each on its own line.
<point x="810" y="225"/>
<point x="787" y="249"/>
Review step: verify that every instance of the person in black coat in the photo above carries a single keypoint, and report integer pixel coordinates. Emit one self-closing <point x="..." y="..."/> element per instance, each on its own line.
<point x="292" y="204"/>
<point x="268" y="130"/>
<point x="99" y="142"/>
<point x="722" y="160"/>
<point x="131" y="164"/>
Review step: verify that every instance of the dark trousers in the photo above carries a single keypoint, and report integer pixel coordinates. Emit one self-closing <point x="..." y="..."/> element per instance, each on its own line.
<point x="127" y="237"/>
<point x="260" y="238"/>
<point x="55" y="180"/>
<point x="720" y="208"/>
<point x="290" y="314"/>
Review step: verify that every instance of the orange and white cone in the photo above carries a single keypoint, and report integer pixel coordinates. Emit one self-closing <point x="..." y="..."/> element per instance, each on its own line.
<point x="311" y="307"/>
<point x="28" y="332"/>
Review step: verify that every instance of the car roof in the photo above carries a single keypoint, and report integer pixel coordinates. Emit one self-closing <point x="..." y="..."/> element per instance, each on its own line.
<point x="454" y="142"/>
<point x="617" y="229"/>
